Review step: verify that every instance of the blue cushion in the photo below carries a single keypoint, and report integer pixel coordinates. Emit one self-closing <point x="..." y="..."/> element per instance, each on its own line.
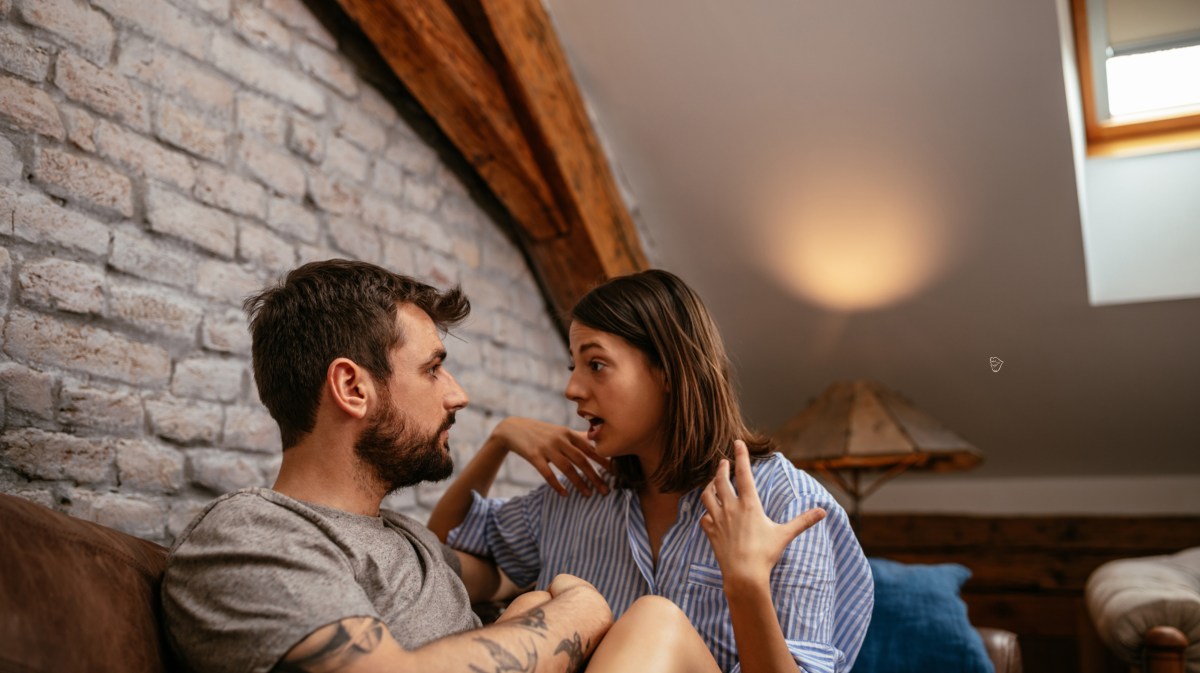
<point x="919" y="622"/>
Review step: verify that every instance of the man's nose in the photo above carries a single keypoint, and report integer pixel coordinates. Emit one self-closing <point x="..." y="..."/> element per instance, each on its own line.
<point x="457" y="397"/>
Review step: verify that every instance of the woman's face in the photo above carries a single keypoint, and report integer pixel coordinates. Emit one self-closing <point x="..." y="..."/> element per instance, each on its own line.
<point x="618" y="391"/>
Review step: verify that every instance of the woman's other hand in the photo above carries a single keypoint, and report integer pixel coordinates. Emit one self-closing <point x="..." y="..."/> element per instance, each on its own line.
<point x="746" y="541"/>
<point x="544" y="444"/>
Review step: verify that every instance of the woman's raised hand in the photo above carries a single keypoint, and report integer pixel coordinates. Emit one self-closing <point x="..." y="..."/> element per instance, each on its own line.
<point x="545" y="444"/>
<point x="746" y="541"/>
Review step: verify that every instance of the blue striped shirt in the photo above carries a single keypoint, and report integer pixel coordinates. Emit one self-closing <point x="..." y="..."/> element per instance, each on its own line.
<point x="821" y="587"/>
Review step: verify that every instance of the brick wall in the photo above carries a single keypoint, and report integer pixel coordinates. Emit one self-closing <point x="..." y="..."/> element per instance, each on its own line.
<point x="159" y="161"/>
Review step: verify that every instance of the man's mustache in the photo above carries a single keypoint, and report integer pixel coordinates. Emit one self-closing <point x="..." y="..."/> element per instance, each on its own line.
<point x="447" y="423"/>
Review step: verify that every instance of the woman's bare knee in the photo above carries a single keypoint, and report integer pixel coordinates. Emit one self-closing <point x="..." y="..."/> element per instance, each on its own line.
<point x="653" y="634"/>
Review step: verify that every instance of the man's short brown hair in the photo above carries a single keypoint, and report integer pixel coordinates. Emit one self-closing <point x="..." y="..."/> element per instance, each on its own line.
<point x="325" y="310"/>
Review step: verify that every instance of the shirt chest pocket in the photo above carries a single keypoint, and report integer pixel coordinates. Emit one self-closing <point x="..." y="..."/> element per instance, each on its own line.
<point x="703" y="575"/>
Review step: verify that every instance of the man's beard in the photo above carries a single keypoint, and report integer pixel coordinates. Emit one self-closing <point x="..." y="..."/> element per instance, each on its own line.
<point x="397" y="457"/>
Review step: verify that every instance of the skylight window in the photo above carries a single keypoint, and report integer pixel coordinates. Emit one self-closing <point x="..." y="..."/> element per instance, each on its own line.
<point x="1139" y="68"/>
<point x="1153" y="84"/>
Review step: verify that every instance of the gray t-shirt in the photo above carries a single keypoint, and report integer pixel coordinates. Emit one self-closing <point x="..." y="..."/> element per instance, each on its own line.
<point x="256" y="572"/>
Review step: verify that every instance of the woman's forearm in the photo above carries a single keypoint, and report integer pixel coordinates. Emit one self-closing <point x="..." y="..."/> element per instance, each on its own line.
<point x="478" y="475"/>
<point x="760" y="642"/>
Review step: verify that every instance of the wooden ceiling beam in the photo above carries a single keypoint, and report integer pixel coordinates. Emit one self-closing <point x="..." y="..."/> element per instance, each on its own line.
<point x="493" y="76"/>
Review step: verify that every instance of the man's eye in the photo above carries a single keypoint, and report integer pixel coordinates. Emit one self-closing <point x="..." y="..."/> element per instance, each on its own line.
<point x="434" y="370"/>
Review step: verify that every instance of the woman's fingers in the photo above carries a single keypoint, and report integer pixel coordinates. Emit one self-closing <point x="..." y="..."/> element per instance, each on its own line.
<point x="804" y="521"/>
<point x="564" y="465"/>
<point x="744" y="475"/>
<point x="721" y="481"/>
<point x="543" y="468"/>
<point x="709" y="497"/>
<point x="581" y="461"/>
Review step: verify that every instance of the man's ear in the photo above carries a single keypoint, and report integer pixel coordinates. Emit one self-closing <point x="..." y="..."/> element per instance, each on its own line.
<point x="350" y="387"/>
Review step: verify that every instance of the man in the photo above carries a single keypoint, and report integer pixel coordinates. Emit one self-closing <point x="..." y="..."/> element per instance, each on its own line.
<point x="311" y="575"/>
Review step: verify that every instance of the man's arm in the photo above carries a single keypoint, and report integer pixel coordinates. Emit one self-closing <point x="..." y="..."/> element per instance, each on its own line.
<point x="556" y="636"/>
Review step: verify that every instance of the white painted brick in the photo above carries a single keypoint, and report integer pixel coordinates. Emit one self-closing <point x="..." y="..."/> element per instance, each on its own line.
<point x="262" y="73"/>
<point x="259" y="246"/>
<point x="150" y="258"/>
<point x="62" y="285"/>
<point x="22" y="55"/>
<point x="190" y="132"/>
<point x="387" y="178"/>
<point x="451" y="180"/>
<point x="252" y="429"/>
<point x="467" y="251"/>
<point x="398" y="255"/>
<point x="184" y="421"/>
<point x="183" y="512"/>
<point x="82" y="405"/>
<point x="176" y="215"/>
<point x="422" y="195"/>
<point x="231" y="283"/>
<point x="292" y="219"/>
<point x="311" y="253"/>
<point x="326" y="67"/>
<point x="296" y="15"/>
<point x="104" y="91"/>
<point x="53" y="455"/>
<point x="276" y="170"/>
<point x="155" y="309"/>
<point x="81" y="127"/>
<point x="261" y="29"/>
<point x="222" y="471"/>
<point x="413" y="155"/>
<point x="435" y="268"/>
<point x="306" y="139"/>
<point x="38" y="220"/>
<point x="464" y="214"/>
<point x="27" y="389"/>
<point x="143" y="466"/>
<point x="422" y="228"/>
<point x="226" y="331"/>
<point x="374" y="104"/>
<point x="218" y="9"/>
<point x="76" y="22"/>
<point x="168" y="71"/>
<point x="334" y="195"/>
<point x="161" y="21"/>
<point x="208" y="378"/>
<point x="383" y="214"/>
<point x="359" y="128"/>
<point x="5" y="275"/>
<point x="11" y="167"/>
<point x="45" y="340"/>
<point x="505" y="260"/>
<point x="231" y="192"/>
<point x="262" y="116"/>
<point x="29" y="108"/>
<point x="130" y="514"/>
<point x="144" y="157"/>
<point x="346" y="159"/>
<point x="83" y="180"/>
<point x="355" y="238"/>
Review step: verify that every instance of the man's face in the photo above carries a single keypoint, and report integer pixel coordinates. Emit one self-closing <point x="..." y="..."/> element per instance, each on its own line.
<point x="407" y="438"/>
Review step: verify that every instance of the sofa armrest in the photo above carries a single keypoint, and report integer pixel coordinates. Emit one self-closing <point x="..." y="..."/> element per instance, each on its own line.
<point x="1002" y="649"/>
<point x="1147" y="610"/>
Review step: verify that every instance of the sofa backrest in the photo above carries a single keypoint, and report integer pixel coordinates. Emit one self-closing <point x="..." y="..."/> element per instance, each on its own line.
<point x="77" y="596"/>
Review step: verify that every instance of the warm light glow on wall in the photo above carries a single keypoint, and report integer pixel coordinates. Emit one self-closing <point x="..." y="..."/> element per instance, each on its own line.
<point x="853" y="244"/>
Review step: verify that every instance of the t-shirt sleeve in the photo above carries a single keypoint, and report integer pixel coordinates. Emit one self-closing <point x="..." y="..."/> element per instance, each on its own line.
<point x="816" y="586"/>
<point x="236" y="600"/>
<point x="508" y="531"/>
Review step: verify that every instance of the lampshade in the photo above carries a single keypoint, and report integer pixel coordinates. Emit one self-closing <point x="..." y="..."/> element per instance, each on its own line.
<point x="861" y="426"/>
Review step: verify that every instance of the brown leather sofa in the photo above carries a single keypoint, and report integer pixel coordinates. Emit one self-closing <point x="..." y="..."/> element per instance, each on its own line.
<point x="79" y="597"/>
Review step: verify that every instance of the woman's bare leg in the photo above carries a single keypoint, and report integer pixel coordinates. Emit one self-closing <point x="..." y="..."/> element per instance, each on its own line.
<point x="653" y="635"/>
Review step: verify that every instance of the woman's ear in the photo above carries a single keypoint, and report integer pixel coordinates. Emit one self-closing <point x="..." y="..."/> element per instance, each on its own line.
<point x="350" y="387"/>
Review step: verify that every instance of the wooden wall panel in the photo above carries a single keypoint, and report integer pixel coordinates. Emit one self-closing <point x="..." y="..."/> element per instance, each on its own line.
<point x="1029" y="573"/>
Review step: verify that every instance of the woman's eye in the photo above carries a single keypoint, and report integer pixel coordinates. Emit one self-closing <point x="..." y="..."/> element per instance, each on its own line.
<point x="596" y="366"/>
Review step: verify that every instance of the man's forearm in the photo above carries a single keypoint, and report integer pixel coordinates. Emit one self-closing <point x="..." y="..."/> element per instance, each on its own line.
<point x="558" y="635"/>
<point x="478" y="475"/>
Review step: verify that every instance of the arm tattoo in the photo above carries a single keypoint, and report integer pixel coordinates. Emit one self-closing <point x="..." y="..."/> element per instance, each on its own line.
<point x="534" y="620"/>
<point x="506" y="661"/>
<point x="335" y="646"/>
<point x="574" y="649"/>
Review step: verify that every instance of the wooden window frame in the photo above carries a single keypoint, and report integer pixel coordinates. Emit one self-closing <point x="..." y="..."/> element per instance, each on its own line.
<point x="1114" y="138"/>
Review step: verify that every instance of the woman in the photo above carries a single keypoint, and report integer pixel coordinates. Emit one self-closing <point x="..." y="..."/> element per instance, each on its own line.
<point x="771" y="563"/>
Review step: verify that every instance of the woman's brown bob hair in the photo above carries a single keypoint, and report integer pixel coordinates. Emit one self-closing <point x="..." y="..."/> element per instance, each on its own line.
<point x="660" y="315"/>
